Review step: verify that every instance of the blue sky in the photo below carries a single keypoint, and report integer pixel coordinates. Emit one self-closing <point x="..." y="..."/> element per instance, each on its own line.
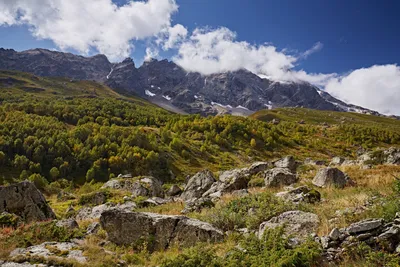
<point x="354" y="33"/>
<point x="356" y="59"/>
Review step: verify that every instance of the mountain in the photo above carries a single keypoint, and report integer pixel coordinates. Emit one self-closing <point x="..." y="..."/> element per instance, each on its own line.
<point x="170" y="86"/>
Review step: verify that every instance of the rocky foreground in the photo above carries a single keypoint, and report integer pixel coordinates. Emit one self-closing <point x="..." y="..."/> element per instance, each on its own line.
<point x="123" y="225"/>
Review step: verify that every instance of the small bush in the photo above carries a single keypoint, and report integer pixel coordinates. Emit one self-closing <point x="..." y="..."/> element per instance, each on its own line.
<point x="249" y="211"/>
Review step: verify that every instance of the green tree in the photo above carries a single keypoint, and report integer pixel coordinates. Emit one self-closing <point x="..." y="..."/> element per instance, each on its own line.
<point x="39" y="181"/>
<point x="54" y="173"/>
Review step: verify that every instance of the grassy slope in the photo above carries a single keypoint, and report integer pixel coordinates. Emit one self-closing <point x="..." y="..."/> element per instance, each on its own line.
<point x="313" y="140"/>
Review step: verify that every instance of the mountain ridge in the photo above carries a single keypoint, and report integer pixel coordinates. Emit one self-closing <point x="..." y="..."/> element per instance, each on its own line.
<point x="165" y="83"/>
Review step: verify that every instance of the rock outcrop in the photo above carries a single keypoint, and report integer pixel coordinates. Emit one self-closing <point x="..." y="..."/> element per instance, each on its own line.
<point x="26" y="201"/>
<point x="373" y="232"/>
<point x="287" y="162"/>
<point x="156" y="231"/>
<point x="331" y="177"/>
<point x="59" y="251"/>
<point x="198" y="184"/>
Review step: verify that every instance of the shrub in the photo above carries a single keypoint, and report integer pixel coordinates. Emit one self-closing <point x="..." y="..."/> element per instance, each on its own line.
<point x="39" y="181"/>
<point x="272" y="250"/>
<point x="249" y="211"/>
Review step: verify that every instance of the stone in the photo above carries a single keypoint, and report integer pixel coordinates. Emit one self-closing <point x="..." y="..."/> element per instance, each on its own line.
<point x="198" y="184"/>
<point x="174" y="190"/>
<point x="158" y="232"/>
<point x="300" y="194"/>
<point x="128" y="175"/>
<point x="286" y="162"/>
<point x="68" y="223"/>
<point x="364" y="226"/>
<point x="58" y="250"/>
<point x="26" y="201"/>
<point x="147" y="187"/>
<point x="336" y="161"/>
<point x="330" y="177"/>
<point x="278" y="177"/>
<point x="309" y="161"/>
<point x="297" y="223"/>
<point x="155" y="201"/>
<point x="197" y="204"/>
<point x="334" y="234"/>
<point x="392" y="156"/>
<point x="89" y="213"/>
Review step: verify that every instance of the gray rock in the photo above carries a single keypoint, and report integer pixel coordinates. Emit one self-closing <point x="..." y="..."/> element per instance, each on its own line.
<point x="337" y="161"/>
<point x="197" y="204"/>
<point x="198" y="185"/>
<point x="392" y="156"/>
<point x="364" y="226"/>
<point x="278" y="177"/>
<point x="45" y="250"/>
<point x="286" y="162"/>
<point x="174" y="190"/>
<point x="89" y="213"/>
<point x="26" y="201"/>
<point x="147" y="186"/>
<point x="309" y="161"/>
<point x="330" y="177"/>
<point x="297" y="223"/>
<point x="128" y="175"/>
<point x="334" y="234"/>
<point x="68" y="223"/>
<point x="155" y="201"/>
<point x="158" y="232"/>
<point x="300" y="194"/>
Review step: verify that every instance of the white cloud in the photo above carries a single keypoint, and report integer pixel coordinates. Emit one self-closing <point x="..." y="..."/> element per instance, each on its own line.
<point x="90" y="24"/>
<point x="217" y="50"/>
<point x="151" y="52"/>
<point x="377" y="88"/>
<point x="315" y="48"/>
<point x="170" y="37"/>
<point x="213" y="51"/>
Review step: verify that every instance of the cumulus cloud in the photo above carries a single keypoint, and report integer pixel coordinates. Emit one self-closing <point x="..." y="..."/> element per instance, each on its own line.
<point x="212" y="51"/>
<point x="172" y="36"/>
<point x="377" y="88"/>
<point x="90" y="24"/>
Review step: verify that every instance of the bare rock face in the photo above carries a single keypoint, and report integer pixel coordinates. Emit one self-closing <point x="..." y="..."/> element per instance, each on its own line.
<point x="174" y="190"/>
<point x="279" y="177"/>
<point x="330" y="177"/>
<point x="198" y="184"/>
<point x="157" y="231"/>
<point x="298" y="223"/>
<point x="26" y="201"/>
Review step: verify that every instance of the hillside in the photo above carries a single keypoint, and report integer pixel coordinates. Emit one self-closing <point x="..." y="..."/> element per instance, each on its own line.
<point x="221" y="174"/>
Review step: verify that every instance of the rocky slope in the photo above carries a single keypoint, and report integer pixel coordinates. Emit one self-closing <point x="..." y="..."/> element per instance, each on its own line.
<point x="168" y="85"/>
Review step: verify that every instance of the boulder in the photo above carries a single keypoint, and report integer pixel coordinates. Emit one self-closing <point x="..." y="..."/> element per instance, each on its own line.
<point x="278" y="177"/>
<point x="147" y="187"/>
<point x="330" y="177"/>
<point x="309" y="161"/>
<point x="93" y="228"/>
<point x="155" y="201"/>
<point x="257" y="167"/>
<point x="55" y="250"/>
<point x="364" y="226"/>
<point x="300" y="194"/>
<point x="26" y="201"/>
<point x="392" y="156"/>
<point x="286" y="162"/>
<point x="198" y="184"/>
<point x="89" y="213"/>
<point x="156" y="231"/>
<point x="68" y="223"/>
<point x="197" y="204"/>
<point x="297" y="223"/>
<point x="336" y="161"/>
<point x="174" y="190"/>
